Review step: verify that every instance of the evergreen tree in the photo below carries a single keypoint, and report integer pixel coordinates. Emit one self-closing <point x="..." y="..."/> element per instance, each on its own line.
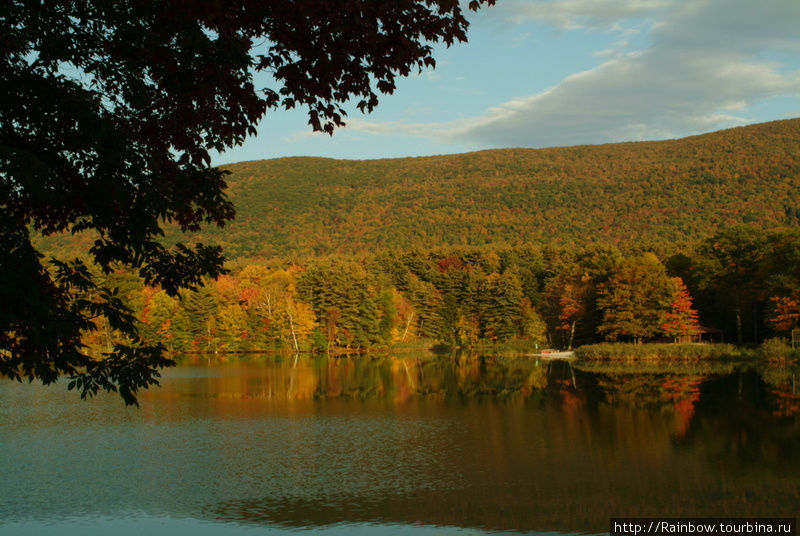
<point x="502" y="313"/>
<point x="200" y="308"/>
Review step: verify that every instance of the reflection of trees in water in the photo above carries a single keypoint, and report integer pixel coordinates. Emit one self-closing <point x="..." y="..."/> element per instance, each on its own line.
<point x="683" y="392"/>
<point x="673" y="394"/>
<point x="575" y="456"/>
<point x="389" y="378"/>
<point x="736" y="426"/>
<point x="784" y="385"/>
<point x="787" y="400"/>
<point x="672" y="388"/>
<point x="731" y="417"/>
<point x="511" y="444"/>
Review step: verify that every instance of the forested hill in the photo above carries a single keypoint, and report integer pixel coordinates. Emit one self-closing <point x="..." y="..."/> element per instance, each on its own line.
<point x="658" y="193"/>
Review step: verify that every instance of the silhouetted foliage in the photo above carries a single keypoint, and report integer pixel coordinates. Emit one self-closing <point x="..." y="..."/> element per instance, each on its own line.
<point x="108" y="112"/>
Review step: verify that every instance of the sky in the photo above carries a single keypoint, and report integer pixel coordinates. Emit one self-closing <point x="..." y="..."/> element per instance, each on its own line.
<point x="548" y="73"/>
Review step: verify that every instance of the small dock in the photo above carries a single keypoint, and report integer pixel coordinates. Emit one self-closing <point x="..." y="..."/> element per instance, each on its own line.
<point x="555" y="354"/>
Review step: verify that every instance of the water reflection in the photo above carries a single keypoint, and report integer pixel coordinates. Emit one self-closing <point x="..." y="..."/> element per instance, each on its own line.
<point x="394" y="380"/>
<point x="487" y="443"/>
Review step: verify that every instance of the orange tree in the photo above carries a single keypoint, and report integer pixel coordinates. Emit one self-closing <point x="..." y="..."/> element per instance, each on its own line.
<point x="682" y="318"/>
<point x="786" y="312"/>
<point x="108" y="112"/>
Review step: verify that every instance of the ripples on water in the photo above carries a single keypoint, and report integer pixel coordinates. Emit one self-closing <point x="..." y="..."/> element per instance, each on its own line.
<point x="392" y="446"/>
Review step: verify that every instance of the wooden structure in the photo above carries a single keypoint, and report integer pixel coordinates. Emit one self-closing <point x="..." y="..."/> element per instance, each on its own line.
<point x="704" y="334"/>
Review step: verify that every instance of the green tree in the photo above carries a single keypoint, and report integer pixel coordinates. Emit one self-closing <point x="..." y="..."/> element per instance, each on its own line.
<point x="345" y="300"/>
<point x="201" y="308"/>
<point x="108" y="113"/>
<point x="636" y="298"/>
<point x="428" y="303"/>
<point x="233" y="323"/>
<point x="533" y="326"/>
<point x="727" y="273"/>
<point x="502" y="313"/>
<point x="159" y="314"/>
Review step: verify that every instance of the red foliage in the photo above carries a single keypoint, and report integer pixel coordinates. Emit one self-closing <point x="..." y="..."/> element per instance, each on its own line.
<point x="681" y="319"/>
<point x="683" y="392"/>
<point x="786" y="315"/>
<point x="787" y="401"/>
<point x="572" y="305"/>
<point x="248" y="295"/>
<point x="449" y="263"/>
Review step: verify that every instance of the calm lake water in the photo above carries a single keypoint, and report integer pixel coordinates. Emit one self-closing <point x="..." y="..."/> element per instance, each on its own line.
<point x="411" y="445"/>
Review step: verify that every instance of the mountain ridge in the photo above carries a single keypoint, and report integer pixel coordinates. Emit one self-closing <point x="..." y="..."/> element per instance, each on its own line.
<point x="520" y="148"/>
<point x="660" y="194"/>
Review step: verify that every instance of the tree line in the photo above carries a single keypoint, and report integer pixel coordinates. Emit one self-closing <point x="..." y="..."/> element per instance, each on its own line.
<point x="743" y="284"/>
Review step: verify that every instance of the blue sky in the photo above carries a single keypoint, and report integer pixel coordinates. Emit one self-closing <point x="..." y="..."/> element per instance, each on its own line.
<point x="567" y="72"/>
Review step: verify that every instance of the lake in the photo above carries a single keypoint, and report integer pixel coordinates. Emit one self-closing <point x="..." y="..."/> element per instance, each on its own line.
<point x="416" y="444"/>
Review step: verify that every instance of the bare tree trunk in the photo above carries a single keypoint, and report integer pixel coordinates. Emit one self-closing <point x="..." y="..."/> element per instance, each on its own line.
<point x="291" y="325"/>
<point x="408" y="376"/>
<point x="571" y="335"/>
<point x="408" y="323"/>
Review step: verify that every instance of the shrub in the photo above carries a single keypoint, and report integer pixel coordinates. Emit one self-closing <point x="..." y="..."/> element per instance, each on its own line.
<point x="777" y="349"/>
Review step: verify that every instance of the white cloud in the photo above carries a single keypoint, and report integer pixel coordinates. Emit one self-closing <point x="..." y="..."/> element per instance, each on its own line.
<point x="704" y="68"/>
<point x="573" y="14"/>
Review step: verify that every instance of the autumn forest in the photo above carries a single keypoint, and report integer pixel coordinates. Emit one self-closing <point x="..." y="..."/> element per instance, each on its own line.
<point x="680" y="240"/>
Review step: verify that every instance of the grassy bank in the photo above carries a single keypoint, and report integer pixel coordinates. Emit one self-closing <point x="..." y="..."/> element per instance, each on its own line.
<point x="778" y="350"/>
<point x="770" y="350"/>
<point x="657" y="351"/>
